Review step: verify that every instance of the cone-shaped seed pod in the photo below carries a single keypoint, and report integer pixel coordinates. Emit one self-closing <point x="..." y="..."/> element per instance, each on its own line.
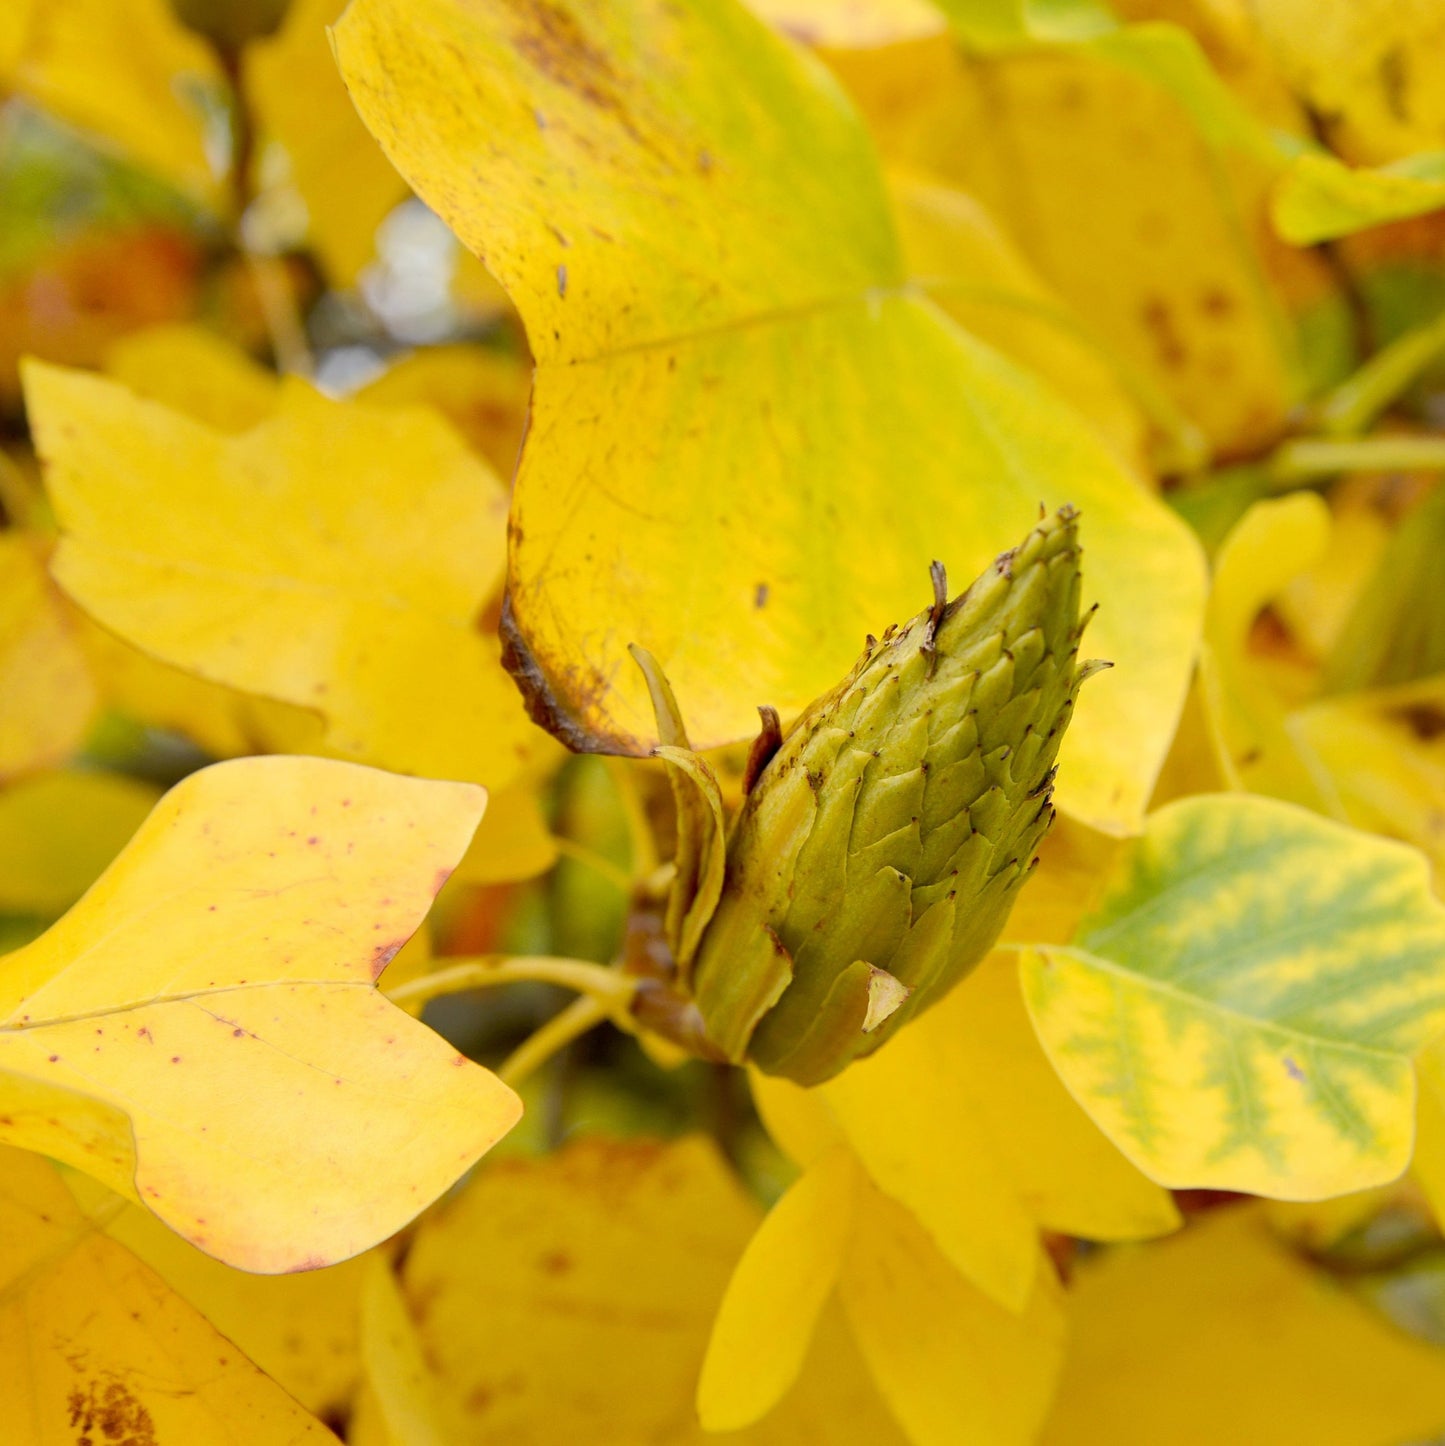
<point x="881" y="846"/>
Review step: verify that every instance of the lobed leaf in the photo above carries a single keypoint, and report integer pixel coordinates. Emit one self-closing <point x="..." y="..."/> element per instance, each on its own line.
<point x="200" y="1032"/>
<point x="1240" y="1010"/>
<point x="720" y="264"/>
<point x="334" y="557"/>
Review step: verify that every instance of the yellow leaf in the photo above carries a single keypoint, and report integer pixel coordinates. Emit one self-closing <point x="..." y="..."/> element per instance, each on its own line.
<point x="777" y="1292"/>
<point x="1240" y="1010"/>
<point x="1366" y="67"/>
<point x="396" y="1371"/>
<point x="1383" y="754"/>
<point x="751" y="569"/>
<point x="957" y="1369"/>
<point x="1223" y="1334"/>
<point x="94" y="1346"/>
<point x="49" y="696"/>
<point x="1274" y="542"/>
<point x="348" y="186"/>
<point x="197" y="372"/>
<point x="1115" y="197"/>
<point x="59" y="830"/>
<point x="300" y="1329"/>
<point x="973" y="271"/>
<point x="334" y="557"/>
<point x="601" y="1267"/>
<point x="217" y="979"/>
<point x="798" y="1119"/>
<point x="131" y="73"/>
<point x="482" y="393"/>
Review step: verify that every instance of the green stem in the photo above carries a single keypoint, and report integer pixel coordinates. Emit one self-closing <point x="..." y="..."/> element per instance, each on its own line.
<point x="610" y="988"/>
<point x="558" y="1032"/>
<point x="1310" y="459"/>
<point x="644" y="846"/>
<point x="1360" y="398"/>
<point x="571" y="849"/>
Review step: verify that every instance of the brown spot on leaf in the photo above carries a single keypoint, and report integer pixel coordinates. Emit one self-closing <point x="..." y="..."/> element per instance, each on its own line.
<point x="555" y="1262"/>
<point x="1216" y="302"/>
<point x="107" y="1404"/>
<point x="1158" y="321"/>
<point x="555" y="43"/>
<point x="383" y="954"/>
<point x="1425" y="720"/>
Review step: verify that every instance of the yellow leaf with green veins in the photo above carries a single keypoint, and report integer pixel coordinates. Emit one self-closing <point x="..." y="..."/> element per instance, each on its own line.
<point x="1240" y="1010"/>
<point x="335" y="557"/>
<point x="95" y="1346"/>
<point x="218" y="978"/>
<point x="749" y="436"/>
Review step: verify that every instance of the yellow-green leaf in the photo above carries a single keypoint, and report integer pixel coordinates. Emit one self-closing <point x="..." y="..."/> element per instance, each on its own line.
<point x="335" y="557"/>
<point x="95" y="1346"/>
<point x="1240" y="1010"/>
<point x="1224" y="1334"/>
<point x="218" y="980"/>
<point x="721" y="264"/>
<point x="1320" y="198"/>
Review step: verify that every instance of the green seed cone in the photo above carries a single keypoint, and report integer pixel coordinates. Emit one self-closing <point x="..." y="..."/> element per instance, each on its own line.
<point x="880" y="849"/>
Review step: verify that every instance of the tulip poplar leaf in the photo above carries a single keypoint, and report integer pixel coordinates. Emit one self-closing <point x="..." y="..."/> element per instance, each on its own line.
<point x="95" y="1346"/>
<point x="1240" y="1010"/>
<point x="201" y="1033"/>
<point x="749" y="434"/>
<point x="334" y="557"/>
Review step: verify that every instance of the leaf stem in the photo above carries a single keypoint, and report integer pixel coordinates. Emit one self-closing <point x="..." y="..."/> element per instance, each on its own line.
<point x="558" y="1032"/>
<point x="609" y="987"/>
<point x="1309" y="459"/>
<point x="594" y="861"/>
<point x="1361" y="397"/>
<point x="644" y="846"/>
